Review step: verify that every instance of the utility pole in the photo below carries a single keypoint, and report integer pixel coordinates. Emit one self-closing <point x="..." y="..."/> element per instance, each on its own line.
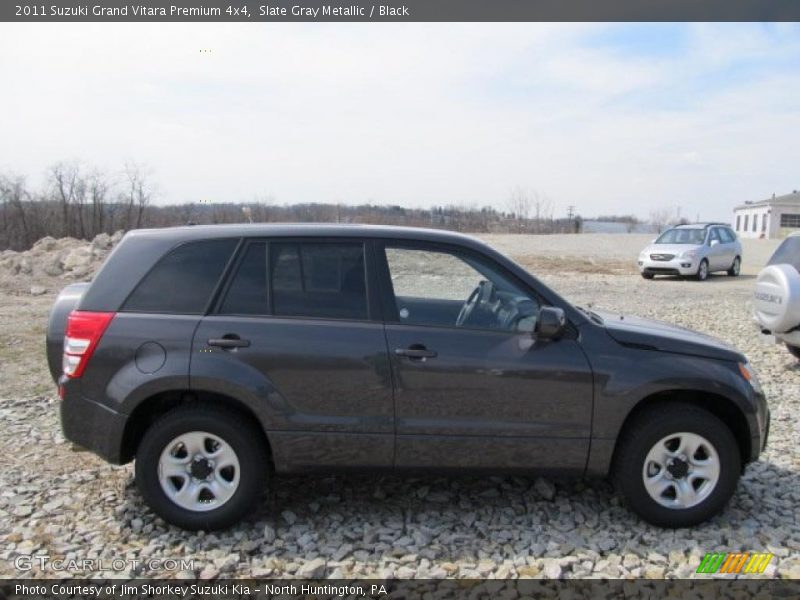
<point x="571" y="212"/>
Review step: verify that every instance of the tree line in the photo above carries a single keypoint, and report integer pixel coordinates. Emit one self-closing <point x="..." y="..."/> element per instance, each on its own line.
<point x="75" y="201"/>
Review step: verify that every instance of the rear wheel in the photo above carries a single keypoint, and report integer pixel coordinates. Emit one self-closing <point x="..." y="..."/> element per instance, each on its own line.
<point x="201" y="467"/>
<point x="794" y="351"/>
<point x="677" y="465"/>
<point x="702" y="270"/>
<point x="735" y="267"/>
<point x="647" y="275"/>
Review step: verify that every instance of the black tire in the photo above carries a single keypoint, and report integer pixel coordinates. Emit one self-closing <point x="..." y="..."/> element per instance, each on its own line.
<point x="794" y="351"/>
<point x="644" y="433"/>
<point x="735" y="267"/>
<point x="237" y="431"/>
<point x="702" y="273"/>
<point x="647" y="275"/>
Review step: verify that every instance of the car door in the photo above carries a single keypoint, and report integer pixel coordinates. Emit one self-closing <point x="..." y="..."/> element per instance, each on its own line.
<point x="477" y="390"/>
<point x="729" y="243"/>
<point x="296" y="332"/>
<point x="716" y="251"/>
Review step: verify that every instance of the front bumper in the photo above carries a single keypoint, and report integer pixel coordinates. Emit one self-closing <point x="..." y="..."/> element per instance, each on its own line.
<point x="676" y="266"/>
<point x="93" y="426"/>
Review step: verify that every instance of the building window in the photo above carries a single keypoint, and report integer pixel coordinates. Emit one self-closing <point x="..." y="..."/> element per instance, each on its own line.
<point x="790" y="220"/>
<point x="738" y="219"/>
<point x="746" y="221"/>
<point x="763" y="222"/>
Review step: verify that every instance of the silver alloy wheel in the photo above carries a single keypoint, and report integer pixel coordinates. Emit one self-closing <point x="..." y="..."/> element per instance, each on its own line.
<point x="681" y="470"/>
<point x="199" y="471"/>
<point x="702" y="270"/>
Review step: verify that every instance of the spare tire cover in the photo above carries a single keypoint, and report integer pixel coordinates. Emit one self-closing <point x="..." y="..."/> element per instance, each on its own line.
<point x="776" y="300"/>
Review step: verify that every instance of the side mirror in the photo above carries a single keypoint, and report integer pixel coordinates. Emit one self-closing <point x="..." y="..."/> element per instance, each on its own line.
<point x="551" y="323"/>
<point x="714" y="243"/>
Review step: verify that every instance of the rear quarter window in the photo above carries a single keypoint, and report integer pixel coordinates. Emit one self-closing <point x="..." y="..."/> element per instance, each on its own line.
<point x="788" y="253"/>
<point x="183" y="280"/>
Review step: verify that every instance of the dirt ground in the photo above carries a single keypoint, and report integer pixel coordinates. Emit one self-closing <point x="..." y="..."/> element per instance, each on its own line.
<point x="59" y="502"/>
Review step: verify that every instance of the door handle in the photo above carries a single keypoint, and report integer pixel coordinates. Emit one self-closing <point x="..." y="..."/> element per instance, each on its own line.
<point x="229" y="341"/>
<point x="416" y="352"/>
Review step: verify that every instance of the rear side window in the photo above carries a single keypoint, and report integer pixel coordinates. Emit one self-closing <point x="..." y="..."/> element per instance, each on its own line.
<point x="182" y="281"/>
<point x="247" y="294"/>
<point x="326" y="281"/>
<point x="727" y="235"/>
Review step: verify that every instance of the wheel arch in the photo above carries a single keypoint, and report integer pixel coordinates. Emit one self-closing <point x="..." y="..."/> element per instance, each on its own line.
<point x="151" y="408"/>
<point x="718" y="405"/>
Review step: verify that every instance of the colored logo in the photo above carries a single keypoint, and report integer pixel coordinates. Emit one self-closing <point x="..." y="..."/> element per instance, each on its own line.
<point x="734" y="562"/>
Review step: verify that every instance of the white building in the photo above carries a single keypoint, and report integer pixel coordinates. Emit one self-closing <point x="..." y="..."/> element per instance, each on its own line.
<point x="775" y="217"/>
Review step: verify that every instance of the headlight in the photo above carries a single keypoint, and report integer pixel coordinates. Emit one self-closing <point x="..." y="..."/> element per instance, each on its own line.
<point x="689" y="254"/>
<point x="750" y="375"/>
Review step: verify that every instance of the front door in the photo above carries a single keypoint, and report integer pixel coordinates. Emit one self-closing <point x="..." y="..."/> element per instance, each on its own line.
<point x="473" y="388"/>
<point x="295" y="333"/>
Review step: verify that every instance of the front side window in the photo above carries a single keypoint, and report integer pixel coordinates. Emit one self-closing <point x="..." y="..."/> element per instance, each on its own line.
<point x="714" y="236"/>
<point x="182" y="281"/>
<point x="444" y="289"/>
<point x="726" y="235"/>
<point x="326" y="281"/>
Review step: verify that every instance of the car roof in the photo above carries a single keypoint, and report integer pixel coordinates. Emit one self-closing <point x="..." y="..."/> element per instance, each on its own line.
<point x="321" y="230"/>
<point x="700" y="225"/>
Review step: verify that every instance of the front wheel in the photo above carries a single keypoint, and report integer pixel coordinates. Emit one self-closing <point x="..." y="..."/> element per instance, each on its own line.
<point x="702" y="270"/>
<point x="647" y="275"/>
<point x="736" y="267"/>
<point x="677" y="465"/>
<point x="201" y="467"/>
<point x="794" y="351"/>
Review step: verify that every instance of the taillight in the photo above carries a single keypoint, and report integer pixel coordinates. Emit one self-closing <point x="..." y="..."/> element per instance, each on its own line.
<point x="84" y="330"/>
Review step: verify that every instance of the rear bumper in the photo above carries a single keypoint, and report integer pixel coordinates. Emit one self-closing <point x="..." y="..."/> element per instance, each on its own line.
<point x="93" y="426"/>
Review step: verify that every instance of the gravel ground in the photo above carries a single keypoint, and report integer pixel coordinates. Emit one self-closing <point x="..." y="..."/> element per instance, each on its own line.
<point x="72" y="505"/>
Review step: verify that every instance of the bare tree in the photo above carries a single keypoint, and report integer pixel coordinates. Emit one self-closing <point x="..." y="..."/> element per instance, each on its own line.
<point x="64" y="180"/>
<point x="139" y="193"/>
<point x="519" y="205"/>
<point x="98" y="190"/>
<point x="14" y="196"/>
<point x="660" y="218"/>
<point x="542" y="211"/>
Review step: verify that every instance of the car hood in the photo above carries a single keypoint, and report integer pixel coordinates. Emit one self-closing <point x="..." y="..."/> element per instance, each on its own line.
<point x="650" y="334"/>
<point x="675" y="249"/>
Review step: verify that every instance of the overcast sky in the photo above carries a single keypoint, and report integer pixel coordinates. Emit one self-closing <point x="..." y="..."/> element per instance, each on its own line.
<point x="609" y="118"/>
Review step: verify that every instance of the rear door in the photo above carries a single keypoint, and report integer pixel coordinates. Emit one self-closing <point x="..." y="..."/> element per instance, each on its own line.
<point x="473" y="389"/>
<point x="717" y="252"/>
<point x="731" y="247"/>
<point x="297" y="331"/>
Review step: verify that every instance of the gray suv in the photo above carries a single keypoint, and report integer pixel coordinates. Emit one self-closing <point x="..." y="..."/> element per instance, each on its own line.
<point x="695" y="250"/>
<point x="219" y="356"/>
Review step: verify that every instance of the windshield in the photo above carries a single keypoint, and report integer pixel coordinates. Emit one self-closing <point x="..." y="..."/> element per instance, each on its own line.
<point x="682" y="236"/>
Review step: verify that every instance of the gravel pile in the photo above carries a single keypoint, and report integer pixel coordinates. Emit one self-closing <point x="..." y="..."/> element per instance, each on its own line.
<point x="72" y="505"/>
<point x="51" y="263"/>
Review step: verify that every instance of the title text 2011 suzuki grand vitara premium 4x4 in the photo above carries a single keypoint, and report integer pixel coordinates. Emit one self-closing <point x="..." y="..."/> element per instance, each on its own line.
<point x="217" y="355"/>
